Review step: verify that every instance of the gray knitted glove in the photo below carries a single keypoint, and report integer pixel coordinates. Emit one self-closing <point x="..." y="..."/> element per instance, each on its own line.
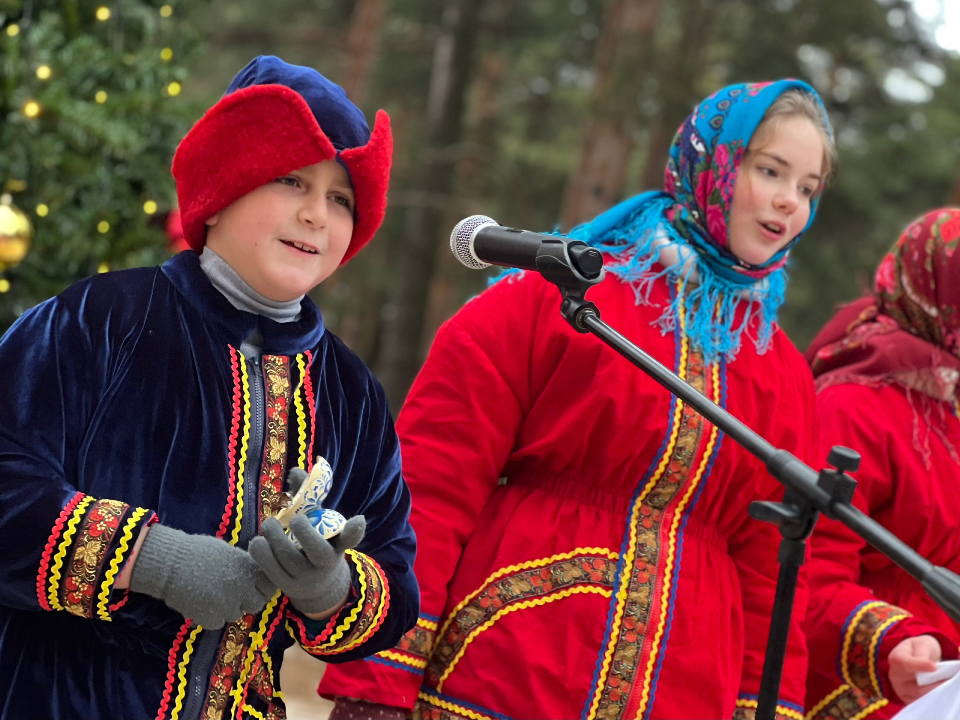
<point x="202" y="577"/>
<point x="316" y="578"/>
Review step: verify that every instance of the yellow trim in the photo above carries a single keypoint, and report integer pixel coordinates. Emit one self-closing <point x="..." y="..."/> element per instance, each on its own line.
<point x="450" y="707"/>
<point x="427" y="624"/>
<point x="301" y="412"/>
<point x="789" y="712"/>
<point x="65" y="542"/>
<point x="629" y="556"/>
<point x="375" y="622"/>
<point x="871" y="658"/>
<point x="870" y="709"/>
<point x="348" y="622"/>
<point x="182" y="674"/>
<point x="827" y="700"/>
<point x="255" y="713"/>
<point x="256" y="643"/>
<point x="103" y="603"/>
<point x="244" y="442"/>
<point x="671" y="549"/>
<point x="511" y="569"/>
<point x="401" y="658"/>
<point x="535" y="602"/>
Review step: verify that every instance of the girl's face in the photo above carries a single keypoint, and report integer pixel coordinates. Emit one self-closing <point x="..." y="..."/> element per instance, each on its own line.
<point x="777" y="180"/>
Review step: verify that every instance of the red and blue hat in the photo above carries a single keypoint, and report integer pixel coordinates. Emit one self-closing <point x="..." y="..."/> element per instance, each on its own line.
<point x="273" y="119"/>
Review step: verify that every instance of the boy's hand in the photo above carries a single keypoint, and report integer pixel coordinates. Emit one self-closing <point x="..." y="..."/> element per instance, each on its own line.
<point x="202" y="577"/>
<point x="316" y="578"/>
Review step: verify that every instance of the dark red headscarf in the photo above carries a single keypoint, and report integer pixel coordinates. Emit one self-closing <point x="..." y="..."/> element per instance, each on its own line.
<point x="907" y="332"/>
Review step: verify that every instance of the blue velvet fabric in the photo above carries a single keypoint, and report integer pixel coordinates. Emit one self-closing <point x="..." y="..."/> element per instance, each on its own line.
<point x="341" y="120"/>
<point x="121" y="388"/>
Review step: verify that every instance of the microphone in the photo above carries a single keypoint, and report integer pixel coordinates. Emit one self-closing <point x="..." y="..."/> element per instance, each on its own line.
<point x="479" y="242"/>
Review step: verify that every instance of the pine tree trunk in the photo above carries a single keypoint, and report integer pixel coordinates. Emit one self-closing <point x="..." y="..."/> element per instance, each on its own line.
<point x="621" y="66"/>
<point x="677" y="78"/>
<point x="363" y="43"/>
<point x="399" y="357"/>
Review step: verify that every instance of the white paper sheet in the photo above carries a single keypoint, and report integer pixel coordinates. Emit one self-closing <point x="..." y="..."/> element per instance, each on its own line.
<point x="942" y="703"/>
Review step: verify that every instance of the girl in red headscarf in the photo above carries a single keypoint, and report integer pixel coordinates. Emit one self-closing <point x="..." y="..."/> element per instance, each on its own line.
<point x="887" y="368"/>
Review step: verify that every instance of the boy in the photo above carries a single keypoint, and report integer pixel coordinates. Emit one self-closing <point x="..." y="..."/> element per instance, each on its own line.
<point x="148" y="417"/>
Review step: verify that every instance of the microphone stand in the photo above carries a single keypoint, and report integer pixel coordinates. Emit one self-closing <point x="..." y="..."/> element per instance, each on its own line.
<point x="807" y="494"/>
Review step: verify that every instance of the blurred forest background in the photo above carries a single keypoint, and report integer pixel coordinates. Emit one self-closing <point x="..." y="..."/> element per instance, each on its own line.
<point x="539" y="113"/>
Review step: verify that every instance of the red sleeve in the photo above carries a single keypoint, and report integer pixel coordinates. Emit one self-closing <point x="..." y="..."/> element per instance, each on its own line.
<point x="457" y="429"/>
<point x="753" y="548"/>
<point x="849" y="630"/>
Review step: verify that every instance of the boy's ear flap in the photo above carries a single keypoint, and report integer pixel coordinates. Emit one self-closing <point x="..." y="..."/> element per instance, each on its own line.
<point x="213" y="219"/>
<point x="369" y="167"/>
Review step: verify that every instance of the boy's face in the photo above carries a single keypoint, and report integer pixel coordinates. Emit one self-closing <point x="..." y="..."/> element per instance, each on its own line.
<point x="288" y="236"/>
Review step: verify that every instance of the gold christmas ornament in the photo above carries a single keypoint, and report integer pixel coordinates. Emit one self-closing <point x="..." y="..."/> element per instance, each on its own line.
<point x="16" y="231"/>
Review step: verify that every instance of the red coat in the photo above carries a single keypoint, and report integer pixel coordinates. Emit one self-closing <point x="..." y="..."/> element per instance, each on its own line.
<point x="862" y="605"/>
<point x="584" y="543"/>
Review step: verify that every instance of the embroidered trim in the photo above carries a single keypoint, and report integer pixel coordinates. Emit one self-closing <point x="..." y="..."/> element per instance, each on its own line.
<point x="846" y="702"/>
<point x="53" y="589"/>
<point x="182" y="673"/>
<point x="269" y="619"/>
<point x="276" y="371"/>
<point x="747" y="705"/>
<point x="863" y="631"/>
<point x="48" y="550"/>
<point x="433" y="705"/>
<point x="747" y="710"/>
<point x="311" y="403"/>
<point x="244" y="447"/>
<point x="544" y="582"/>
<point x="232" y="443"/>
<point x="363" y="620"/>
<point x="415" y="647"/>
<point x="103" y="608"/>
<point x="303" y="458"/>
<point x="226" y="667"/>
<point x="643" y="592"/>
<point x="171" y="671"/>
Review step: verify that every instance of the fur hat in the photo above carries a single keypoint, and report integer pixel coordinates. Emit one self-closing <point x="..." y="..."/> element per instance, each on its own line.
<point x="273" y="119"/>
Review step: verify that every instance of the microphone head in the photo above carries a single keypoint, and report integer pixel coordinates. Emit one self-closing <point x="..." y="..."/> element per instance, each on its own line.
<point x="461" y="240"/>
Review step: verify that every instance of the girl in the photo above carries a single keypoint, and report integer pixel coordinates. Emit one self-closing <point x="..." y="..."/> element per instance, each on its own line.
<point x="886" y="369"/>
<point x="585" y="544"/>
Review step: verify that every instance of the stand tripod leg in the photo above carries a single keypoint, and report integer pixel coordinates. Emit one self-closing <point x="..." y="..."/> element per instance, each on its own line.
<point x="791" y="559"/>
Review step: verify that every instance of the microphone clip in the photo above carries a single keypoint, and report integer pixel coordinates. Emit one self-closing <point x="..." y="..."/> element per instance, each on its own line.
<point x="560" y="262"/>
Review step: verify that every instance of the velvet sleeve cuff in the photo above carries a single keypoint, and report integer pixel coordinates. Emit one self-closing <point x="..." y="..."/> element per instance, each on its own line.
<point x="88" y="546"/>
<point x="356" y="622"/>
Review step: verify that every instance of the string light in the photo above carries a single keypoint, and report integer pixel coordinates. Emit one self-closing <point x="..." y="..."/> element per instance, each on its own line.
<point x="13" y="30"/>
<point x="44" y="72"/>
<point x="174" y="89"/>
<point x="103" y="226"/>
<point x="101" y="97"/>
<point x="4" y="285"/>
<point x="103" y="267"/>
<point x="166" y="11"/>
<point x="42" y="210"/>
<point x="103" y="13"/>
<point x="149" y="207"/>
<point x="31" y="108"/>
<point x="166" y="54"/>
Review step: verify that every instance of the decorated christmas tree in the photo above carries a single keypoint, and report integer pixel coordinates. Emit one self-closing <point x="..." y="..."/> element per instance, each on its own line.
<point x="90" y="114"/>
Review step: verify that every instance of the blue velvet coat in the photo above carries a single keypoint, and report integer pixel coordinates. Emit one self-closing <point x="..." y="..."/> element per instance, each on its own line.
<point x="125" y="401"/>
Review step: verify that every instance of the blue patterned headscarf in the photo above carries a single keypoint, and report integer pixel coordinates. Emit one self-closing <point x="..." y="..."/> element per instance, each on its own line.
<point x="692" y="215"/>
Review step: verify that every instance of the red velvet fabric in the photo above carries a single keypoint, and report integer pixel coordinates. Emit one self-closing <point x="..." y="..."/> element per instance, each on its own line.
<point x="258" y="133"/>
<point x="510" y="390"/>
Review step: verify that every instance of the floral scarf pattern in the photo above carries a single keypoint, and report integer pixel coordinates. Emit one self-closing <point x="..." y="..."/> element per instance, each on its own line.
<point x="907" y="332"/>
<point x="692" y="216"/>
